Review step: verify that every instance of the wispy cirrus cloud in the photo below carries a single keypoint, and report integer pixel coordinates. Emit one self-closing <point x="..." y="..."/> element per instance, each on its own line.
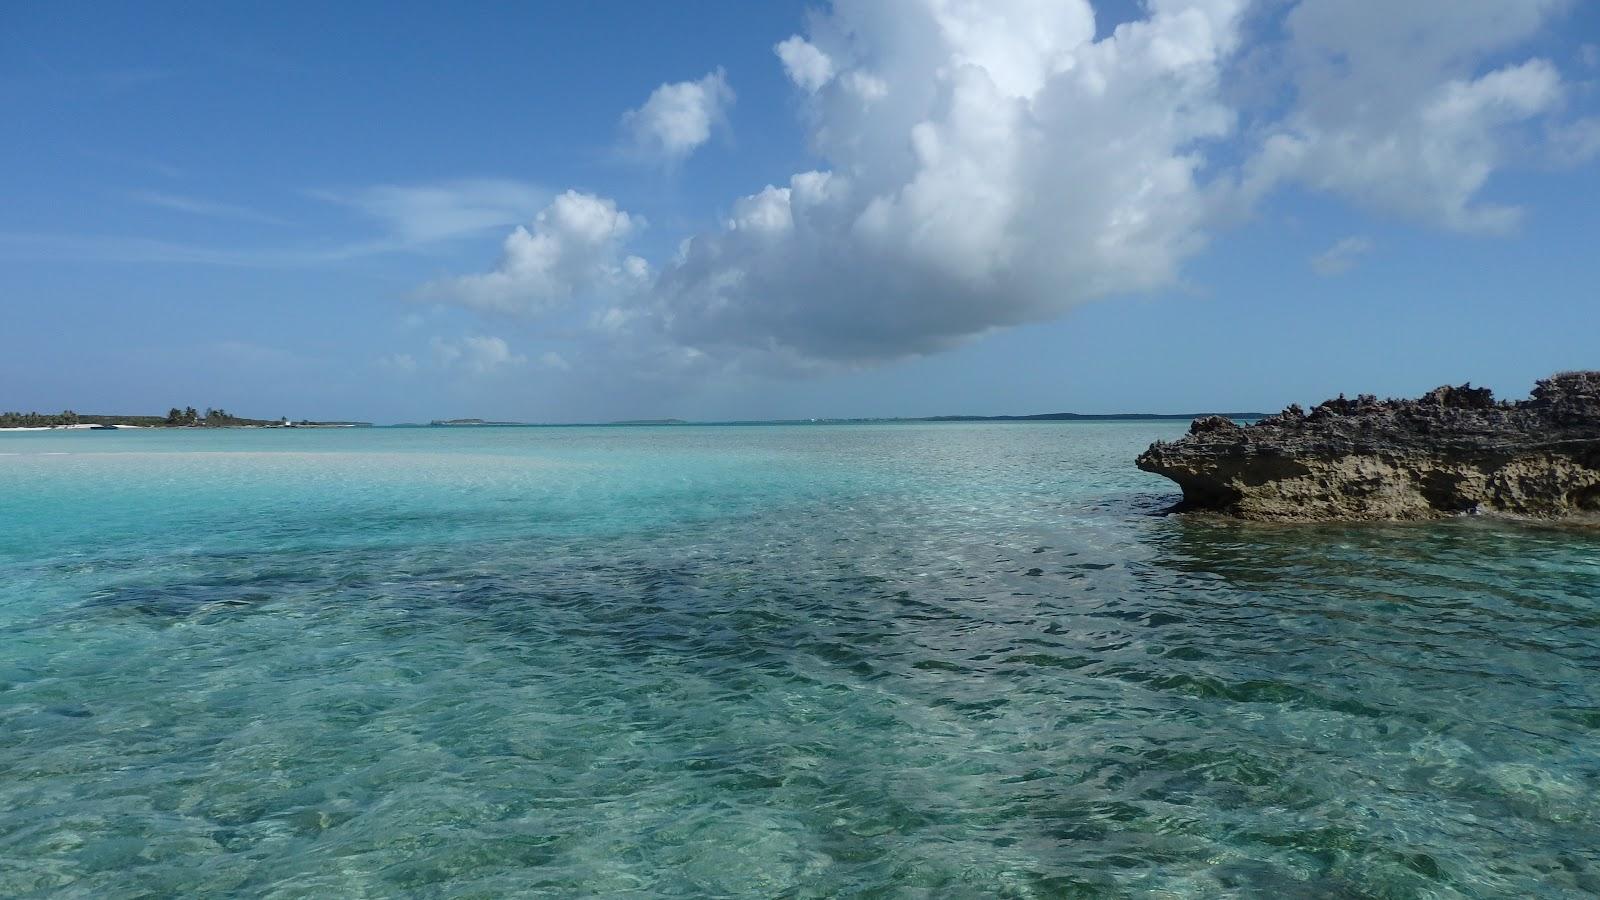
<point x="202" y="207"/>
<point x="120" y="161"/>
<point x="442" y="210"/>
<point x="112" y="248"/>
<point x="405" y="218"/>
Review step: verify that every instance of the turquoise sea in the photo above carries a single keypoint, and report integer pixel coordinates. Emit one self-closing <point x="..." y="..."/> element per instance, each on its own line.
<point x="887" y="660"/>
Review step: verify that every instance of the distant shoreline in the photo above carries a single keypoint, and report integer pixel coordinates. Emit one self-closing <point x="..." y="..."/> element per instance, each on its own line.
<point x="145" y="423"/>
<point x="126" y="427"/>
<point x="671" y="423"/>
<point x="79" y="427"/>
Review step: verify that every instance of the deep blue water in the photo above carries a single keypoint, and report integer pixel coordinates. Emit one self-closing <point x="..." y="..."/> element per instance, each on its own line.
<point x="890" y="660"/>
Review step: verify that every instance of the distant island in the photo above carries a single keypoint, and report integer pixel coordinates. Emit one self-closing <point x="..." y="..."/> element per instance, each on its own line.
<point x="490" y="423"/>
<point x="187" y="417"/>
<point x="456" y="423"/>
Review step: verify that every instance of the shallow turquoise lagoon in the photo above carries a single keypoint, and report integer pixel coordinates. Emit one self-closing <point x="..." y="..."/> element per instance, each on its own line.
<point x="897" y="660"/>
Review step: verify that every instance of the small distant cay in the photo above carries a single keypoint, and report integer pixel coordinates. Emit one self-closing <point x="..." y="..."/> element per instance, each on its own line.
<point x="1452" y="451"/>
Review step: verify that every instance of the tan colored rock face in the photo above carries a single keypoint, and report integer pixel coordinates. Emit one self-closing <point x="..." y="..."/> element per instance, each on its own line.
<point x="1372" y="487"/>
<point x="1452" y="452"/>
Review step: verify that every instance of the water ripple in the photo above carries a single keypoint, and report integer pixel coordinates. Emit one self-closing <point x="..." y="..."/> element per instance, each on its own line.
<point x="919" y="661"/>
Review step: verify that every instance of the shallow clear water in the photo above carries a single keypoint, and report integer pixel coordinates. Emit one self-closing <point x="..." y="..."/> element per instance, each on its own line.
<point x="889" y="660"/>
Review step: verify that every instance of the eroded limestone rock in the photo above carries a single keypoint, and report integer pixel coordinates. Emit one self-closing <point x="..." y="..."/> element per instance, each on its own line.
<point x="1454" y="450"/>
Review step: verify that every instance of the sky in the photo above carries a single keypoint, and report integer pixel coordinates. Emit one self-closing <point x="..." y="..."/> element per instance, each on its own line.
<point x="719" y="210"/>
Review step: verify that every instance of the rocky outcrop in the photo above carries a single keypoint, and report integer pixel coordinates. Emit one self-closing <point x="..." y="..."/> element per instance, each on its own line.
<point x="1455" y="450"/>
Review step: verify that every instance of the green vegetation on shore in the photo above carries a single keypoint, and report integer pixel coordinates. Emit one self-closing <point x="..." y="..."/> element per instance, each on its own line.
<point x="38" y="420"/>
<point x="187" y="417"/>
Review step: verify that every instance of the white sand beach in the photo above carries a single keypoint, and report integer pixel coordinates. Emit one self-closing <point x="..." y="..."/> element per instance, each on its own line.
<point x="79" y="427"/>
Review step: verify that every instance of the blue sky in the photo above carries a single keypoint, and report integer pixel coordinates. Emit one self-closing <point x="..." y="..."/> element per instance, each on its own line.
<point x="738" y="210"/>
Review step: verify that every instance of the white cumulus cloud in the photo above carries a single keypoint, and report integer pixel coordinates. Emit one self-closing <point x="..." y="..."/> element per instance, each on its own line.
<point x="1001" y="167"/>
<point x="1393" y="110"/>
<point x="987" y="164"/>
<point x="477" y="354"/>
<point x="678" y="118"/>
<point x="573" y="247"/>
<point x="807" y="66"/>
